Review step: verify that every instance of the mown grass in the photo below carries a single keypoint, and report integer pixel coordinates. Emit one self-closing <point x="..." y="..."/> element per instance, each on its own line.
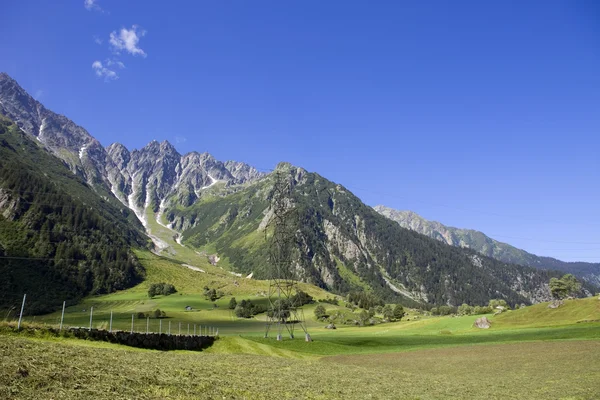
<point x="554" y="356"/>
<point x="67" y="369"/>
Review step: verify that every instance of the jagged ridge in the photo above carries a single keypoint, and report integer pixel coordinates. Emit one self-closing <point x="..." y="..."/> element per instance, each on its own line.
<point x="487" y="246"/>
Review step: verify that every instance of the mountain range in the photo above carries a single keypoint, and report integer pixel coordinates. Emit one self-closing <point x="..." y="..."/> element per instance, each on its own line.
<point x="487" y="246"/>
<point x="222" y="209"/>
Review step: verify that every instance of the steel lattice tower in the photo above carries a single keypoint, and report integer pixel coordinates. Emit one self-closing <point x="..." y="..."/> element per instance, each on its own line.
<point x="283" y="313"/>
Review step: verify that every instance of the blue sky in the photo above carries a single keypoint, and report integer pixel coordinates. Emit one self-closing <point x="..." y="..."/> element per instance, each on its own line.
<point x="483" y="115"/>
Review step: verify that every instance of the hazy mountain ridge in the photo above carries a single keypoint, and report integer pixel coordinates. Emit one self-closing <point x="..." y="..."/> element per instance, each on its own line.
<point x="487" y="246"/>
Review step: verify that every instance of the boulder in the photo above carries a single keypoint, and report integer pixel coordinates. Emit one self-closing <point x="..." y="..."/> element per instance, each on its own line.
<point x="482" y="323"/>
<point x="556" y="304"/>
<point x="330" y="326"/>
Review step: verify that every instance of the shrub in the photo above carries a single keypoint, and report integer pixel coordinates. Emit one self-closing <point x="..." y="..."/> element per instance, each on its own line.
<point x="242" y="312"/>
<point x="301" y="298"/>
<point x="162" y="288"/>
<point x="465" y="309"/>
<point x="363" y="317"/>
<point x="247" y="309"/>
<point x="212" y="294"/>
<point x="481" y="310"/>
<point x="498" y="303"/>
<point x="445" y="310"/>
<point x="320" y="311"/>
<point x="398" y="312"/>
<point x="232" y="303"/>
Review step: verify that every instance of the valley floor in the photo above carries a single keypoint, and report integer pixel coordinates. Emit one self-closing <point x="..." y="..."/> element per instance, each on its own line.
<point x="33" y="368"/>
<point x="530" y="353"/>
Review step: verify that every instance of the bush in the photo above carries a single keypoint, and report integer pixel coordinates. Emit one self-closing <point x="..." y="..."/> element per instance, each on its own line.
<point x="212" y="294"/>
<point x="477" y="310"/>
<point x="247" y="309"/>
<point x="320" y="311"/>
<point x="232" y="303"/>
<point x="498" y="303"/>
<point x="157" y="289"/>
<point x="363" y="317"/>
<point x="398" y="312"/>
<point x="301" y="298"/>
<point x="445" y="310"/>
<point x="465" y="309"/>
<point x="242" y="312"/>
<point x="388" y="312"/>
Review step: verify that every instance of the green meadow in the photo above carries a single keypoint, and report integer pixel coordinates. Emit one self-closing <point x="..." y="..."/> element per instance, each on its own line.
<point x="531" y="353"/>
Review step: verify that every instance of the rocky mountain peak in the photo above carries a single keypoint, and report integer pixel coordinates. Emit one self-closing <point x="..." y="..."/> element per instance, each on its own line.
<point x="139" y="178"/>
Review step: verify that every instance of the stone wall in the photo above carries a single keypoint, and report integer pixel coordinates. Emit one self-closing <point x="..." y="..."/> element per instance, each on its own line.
<point x="146" y="341"/>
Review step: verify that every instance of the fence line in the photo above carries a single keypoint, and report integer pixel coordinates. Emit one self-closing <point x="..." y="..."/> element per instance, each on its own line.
<point x="208" y="331"/>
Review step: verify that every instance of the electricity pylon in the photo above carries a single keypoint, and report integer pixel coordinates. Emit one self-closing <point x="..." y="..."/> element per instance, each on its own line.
<point x="283" y="313"/>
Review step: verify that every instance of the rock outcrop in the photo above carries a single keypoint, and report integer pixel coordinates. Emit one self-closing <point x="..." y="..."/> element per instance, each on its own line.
<point x="482" y="323"/>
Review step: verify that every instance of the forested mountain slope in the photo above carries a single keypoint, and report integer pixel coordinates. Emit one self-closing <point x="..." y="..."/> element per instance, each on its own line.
<point x="58" y="239"/>
<point x="487" y="246"/>
<point x="347" y="245"/>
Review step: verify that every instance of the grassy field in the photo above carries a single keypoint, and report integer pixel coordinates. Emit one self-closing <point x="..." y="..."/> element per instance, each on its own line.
<point x="530" y="353"/>
<point x="189" y="285"/>
<point x="65" y="368"/>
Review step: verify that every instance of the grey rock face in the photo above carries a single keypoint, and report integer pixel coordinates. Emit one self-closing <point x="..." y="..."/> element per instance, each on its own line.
<point x="139" y="178"/>
<point x="60" y="135"/>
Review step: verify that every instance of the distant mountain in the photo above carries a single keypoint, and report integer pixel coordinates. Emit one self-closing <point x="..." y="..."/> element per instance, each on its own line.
<point x="210" y="206"/>
<point x="487" y="246"/>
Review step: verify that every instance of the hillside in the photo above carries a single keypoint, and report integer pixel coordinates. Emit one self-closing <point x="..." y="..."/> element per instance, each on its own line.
<point x="487" y="246"/>
<point x="58" y="239"/>
<point x="346" y="246"/>
<point x="201" y="210"/>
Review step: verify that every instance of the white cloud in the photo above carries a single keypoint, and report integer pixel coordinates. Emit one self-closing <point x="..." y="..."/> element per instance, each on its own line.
<point x="180" y="139"/>
<point x="128" y="39"/>
<point x="97" y="40"/>
<point x="38" y="94"/>
<point x="114" y="63"/>
<point x="103" y="72"/>
<point x="91" y="5"/>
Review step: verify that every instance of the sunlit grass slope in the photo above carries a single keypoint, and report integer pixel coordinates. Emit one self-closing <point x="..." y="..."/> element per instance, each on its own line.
<point x="190" y="285"/>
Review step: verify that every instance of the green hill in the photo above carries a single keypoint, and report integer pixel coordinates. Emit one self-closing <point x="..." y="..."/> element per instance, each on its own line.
<point x="346" y="245"/>
<point x="59" y="240"/>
